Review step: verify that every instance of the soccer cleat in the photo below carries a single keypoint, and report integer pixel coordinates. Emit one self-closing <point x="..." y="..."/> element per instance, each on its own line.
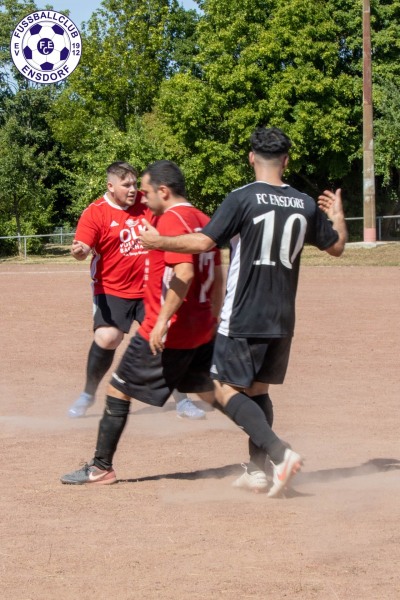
<point x="186" y="409"/>
<point x="90" y="474"/>
<point x="80" y="406"/>
<point x="283" y="472"/>
<point x="254" y="481"/>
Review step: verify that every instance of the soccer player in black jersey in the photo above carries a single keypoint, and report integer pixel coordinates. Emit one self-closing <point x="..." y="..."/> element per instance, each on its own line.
<point x="267" y="223"/>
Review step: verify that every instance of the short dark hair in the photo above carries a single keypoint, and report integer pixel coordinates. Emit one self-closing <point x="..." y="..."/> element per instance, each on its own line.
<point x="166" y="172"/>
<point x="270" y="142"/>
<point x="121" y="169"/>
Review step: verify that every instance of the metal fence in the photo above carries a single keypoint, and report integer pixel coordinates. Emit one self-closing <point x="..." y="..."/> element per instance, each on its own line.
<point x="387" y="229"/>
<point x="53" y="240"/>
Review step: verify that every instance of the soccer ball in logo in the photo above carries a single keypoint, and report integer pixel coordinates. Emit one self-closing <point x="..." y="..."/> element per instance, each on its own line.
<point x="46" y="46"/>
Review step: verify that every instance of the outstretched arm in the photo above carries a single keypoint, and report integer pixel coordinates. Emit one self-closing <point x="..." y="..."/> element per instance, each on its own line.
<point x="190" y="243"/>
<point x="331" y="204"/>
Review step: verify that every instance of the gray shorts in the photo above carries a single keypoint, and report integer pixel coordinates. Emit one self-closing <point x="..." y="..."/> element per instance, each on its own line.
<point x="112" y="311"/>
<point x="151" y="379"/>
<point x="242" y="361"/>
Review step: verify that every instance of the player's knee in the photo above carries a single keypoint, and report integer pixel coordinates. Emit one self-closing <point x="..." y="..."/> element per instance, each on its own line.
<point x="112" y="391"/>
<point x="108" y="338"/>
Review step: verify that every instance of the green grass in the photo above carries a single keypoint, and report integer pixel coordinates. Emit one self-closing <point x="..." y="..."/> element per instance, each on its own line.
<point x="381" y="255"/>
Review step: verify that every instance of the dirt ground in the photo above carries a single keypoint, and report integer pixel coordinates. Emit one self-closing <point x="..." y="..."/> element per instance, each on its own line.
<point x="173" y="527"/>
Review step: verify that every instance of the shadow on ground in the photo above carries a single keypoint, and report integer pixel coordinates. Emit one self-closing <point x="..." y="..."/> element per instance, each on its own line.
<point x="375" y="465"/>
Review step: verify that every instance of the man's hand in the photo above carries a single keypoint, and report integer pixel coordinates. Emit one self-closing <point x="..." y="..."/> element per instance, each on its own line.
<point x="331" y="203"/>
<point x="149" y="235"/>
<point x="157" y="336"/>
<point x="80" y="250"/>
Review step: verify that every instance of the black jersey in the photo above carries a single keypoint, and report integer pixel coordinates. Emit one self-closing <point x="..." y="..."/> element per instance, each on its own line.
<point x="267" y="227"/>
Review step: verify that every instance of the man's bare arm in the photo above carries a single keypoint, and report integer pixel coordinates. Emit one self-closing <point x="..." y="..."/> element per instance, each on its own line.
<point x="190" y="243"/>
<point x="178" y="288"/>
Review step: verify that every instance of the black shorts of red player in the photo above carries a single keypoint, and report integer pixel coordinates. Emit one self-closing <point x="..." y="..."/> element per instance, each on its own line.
<point x="241" y="361"/>
<point x="112" y="311"/>
<point x="151" y="378"/>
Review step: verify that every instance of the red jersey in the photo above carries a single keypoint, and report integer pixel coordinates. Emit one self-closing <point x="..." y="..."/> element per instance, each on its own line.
<point x="117" y="266"/>
<point x="193" y="324"/>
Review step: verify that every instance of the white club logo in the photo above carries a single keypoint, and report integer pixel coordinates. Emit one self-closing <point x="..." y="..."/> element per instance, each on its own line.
<point x="131" y="223"/>
<point x="46" y="47"/>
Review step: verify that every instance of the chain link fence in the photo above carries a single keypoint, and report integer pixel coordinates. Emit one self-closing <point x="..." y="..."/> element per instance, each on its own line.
<point x="52" y="244"/>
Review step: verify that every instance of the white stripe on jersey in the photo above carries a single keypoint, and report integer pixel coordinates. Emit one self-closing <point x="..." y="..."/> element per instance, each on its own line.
<point x="93" y="267"/>
<point x="233" y="276"/>
<point x="166" y="280"/>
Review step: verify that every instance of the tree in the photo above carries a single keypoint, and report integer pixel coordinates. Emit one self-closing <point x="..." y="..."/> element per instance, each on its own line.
<point x="30" y="183"/>
<point x="296" y="65"/>
<point x="11" y="12"/>
<point x="129" y="48"/>
<point x="28" y="166"/>
<point x="262" y="62"/>
<point x="156" y="81"/>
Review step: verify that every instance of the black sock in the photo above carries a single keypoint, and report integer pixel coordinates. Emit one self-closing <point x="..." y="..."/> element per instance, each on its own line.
<point x="111" y="427"/>
<point x="265" y="403"/>
<point x="98" y="363"/>
<point x="248" y="415"/>
<point x="258" y="456"/>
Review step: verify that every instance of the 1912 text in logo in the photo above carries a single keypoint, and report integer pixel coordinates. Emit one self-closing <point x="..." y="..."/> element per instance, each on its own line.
<point x="46" y="46"/>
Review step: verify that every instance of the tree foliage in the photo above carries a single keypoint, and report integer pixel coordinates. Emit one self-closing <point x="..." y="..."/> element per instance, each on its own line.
<point x="129" y="49"/>
<point x="296" y="65"/>
<point x="30" y="190"/>
<point x="28" y="167"/>
<point x="263" y="62"/>
<point x="158" y="81"/>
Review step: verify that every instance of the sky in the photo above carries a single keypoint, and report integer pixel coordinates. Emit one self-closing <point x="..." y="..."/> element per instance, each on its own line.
<point x="81" y="10"/>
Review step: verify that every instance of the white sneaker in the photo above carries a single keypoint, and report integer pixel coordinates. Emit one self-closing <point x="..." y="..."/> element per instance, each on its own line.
<point x="255" y="481"/>
<point x="186" y="409"/>
<point x="81" y="405"/>
<point x="283" y="472"/>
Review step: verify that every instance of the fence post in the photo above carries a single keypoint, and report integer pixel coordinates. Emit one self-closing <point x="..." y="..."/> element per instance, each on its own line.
<point x="25" y="247"/>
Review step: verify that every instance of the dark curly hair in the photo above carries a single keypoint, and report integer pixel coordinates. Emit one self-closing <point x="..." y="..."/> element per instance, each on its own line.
<point x="270" y="143"/>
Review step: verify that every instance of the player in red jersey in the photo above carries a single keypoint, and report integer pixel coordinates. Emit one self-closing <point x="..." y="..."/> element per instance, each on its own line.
<point x="173" y="347"/>
<point x="108" y="230"/>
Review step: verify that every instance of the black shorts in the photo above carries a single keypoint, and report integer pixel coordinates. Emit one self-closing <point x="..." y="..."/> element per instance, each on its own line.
<point x="242" y="361"/>
<point x="112" y="311"/>
<point x="151" y="379"/>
